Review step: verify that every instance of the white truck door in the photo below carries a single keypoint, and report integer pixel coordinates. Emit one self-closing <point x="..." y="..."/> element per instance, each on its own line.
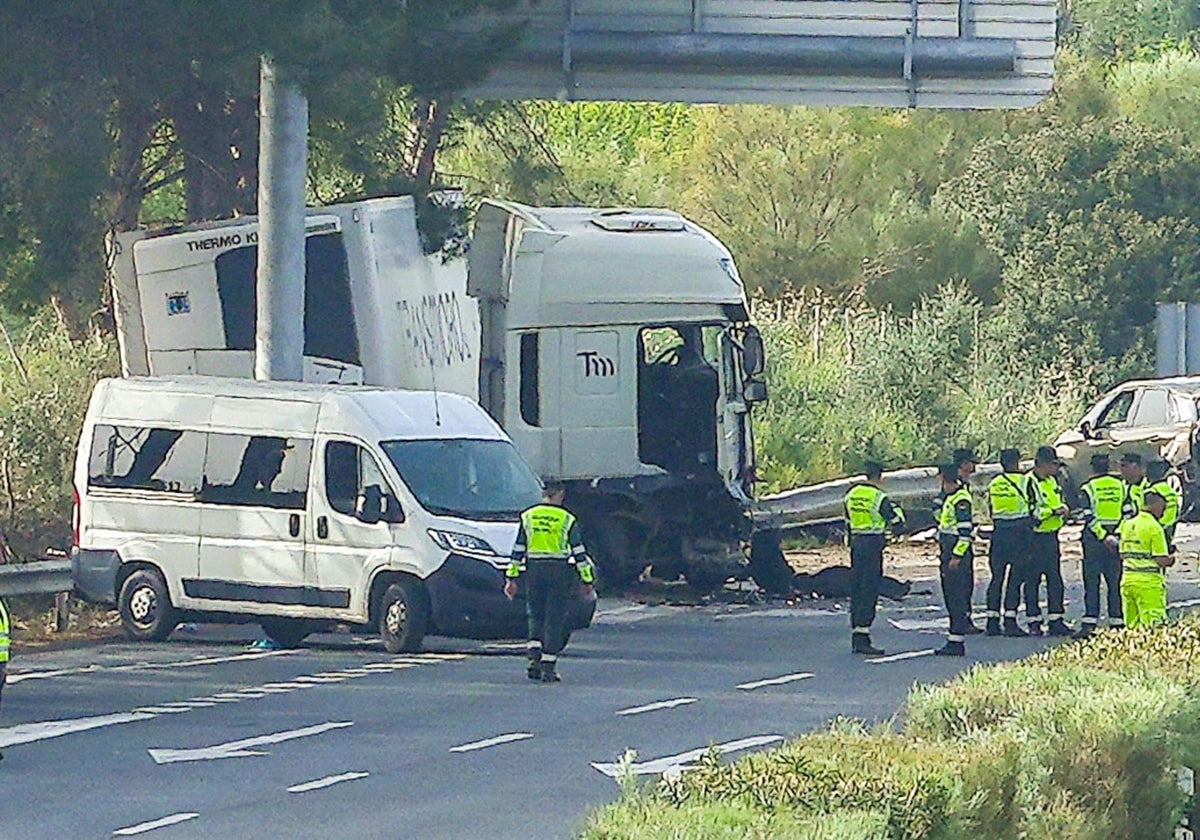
<point x="344" y="551"/>
<point x="253" y="507"/>
<point x="597" y="403"/>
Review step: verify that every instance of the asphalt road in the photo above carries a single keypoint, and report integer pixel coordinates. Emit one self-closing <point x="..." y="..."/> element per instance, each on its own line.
<point x="199" y="737"/>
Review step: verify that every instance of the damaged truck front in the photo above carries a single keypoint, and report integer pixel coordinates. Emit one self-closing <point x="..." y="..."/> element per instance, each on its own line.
<point x="614" y="346"/>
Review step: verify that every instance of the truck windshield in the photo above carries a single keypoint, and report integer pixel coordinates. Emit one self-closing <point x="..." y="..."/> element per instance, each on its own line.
<point x="472" y="479"/>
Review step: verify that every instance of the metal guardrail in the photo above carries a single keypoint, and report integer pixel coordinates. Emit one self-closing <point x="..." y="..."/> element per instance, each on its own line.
<point x="821" y="504"/>
<point x="41" y="577"/>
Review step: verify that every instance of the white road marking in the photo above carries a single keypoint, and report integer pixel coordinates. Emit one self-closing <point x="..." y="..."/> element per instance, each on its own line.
<point x="777" y="612"/>
<point x="651" y="707"/>
<point x="897" y="657"/>
<point x="491" y="742"/>
<point x="158" y="710"/>
<point x="328" y="781"/>
<point x="671" y="762"/>
<point x="1179" y="605"/>
<point x="309" y="678"/>
<point x="145" y="666"/>
<point x="786" y="678"/>
<point x="18" y="676"/>
<point x="27" y="733"/>
<point x="929" y="625"/>
<point x="239" y="749"/>
<point x="141" y="828"/>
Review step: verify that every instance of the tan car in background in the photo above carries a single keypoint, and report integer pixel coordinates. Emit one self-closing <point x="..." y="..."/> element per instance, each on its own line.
<point x="1156" y="418"/>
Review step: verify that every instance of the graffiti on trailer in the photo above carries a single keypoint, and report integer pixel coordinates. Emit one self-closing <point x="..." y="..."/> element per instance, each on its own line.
<point x="434" y="327"/>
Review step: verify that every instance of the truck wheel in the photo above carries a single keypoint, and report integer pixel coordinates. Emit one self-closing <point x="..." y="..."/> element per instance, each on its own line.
<point x="286" y="632"/>
<point x="145" y="607"/>
<point x="611" y="544"/>
<point x="403" y="617"/>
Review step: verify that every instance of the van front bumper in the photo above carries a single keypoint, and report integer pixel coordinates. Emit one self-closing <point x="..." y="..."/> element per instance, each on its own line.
<point x="94" y="573"/>
<point x="467" y="600"/>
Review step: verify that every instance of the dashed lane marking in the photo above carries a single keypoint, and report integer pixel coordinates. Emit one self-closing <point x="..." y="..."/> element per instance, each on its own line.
<point x="680" y="761"/>
<point x="142" y="828"/>
<point x="898" y="657"/>
<point x="328" y="781"/>
<point x="19" y="676"/>
<point x="491" y="742"/>
<point x="243" y="747"/>
<point x="653" y="707"/>
<point x="786" y="678"/>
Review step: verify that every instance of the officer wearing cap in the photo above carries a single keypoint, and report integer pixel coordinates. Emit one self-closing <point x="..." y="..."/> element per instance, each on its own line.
<point x="1104" y="499"/>
<point x="1011" y="499"/>
<point x="549" y="559"/>
<point x="1133" y="472"/>
<point x="1045" y="558"/>
<point x="955" y="556"/>
<point x="4" y="642"/>
<point x="869" y="513"/>
<point x="1145" y="559"/>
<point x="964" y="462"/>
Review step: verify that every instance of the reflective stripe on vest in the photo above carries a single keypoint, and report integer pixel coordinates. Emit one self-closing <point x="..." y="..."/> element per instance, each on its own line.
<point x="1007" y="494"/>
<point x="863" y="514"/>
<point x="1050" y="498"/>
<point x="947" y="519"/>
<point x="547" y="532"/>
<point x="1142" y="538"/>
<point x="1106" y="495"/>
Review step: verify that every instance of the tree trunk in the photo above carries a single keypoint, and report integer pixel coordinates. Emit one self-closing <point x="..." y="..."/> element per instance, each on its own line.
<point x="218" y="135"/>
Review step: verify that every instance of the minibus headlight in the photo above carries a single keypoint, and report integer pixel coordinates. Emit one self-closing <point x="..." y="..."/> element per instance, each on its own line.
<point x="461" y="543"/>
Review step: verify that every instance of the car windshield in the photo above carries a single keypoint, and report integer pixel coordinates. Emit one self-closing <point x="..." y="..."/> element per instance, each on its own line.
<point x="473" y="479"/>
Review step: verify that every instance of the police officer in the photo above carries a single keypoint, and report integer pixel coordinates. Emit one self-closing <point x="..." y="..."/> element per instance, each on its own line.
<point x="956" y="556"/>
<point x="1145" y="559"/>
<point x="1133" y="472"/>
<point x="1045" y="557"/>
<point x="4" y="640"/>
<point x="869" y="513"/>
<point x="549" y="558"/>
<point x="1156" y="479"/>
<point x="965" y="461"/>
<point x="1104" y="497"/>
<point x="1011" y="498"/>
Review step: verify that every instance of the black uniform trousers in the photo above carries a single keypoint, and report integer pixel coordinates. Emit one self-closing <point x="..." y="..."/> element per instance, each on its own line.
<point x="1100" y="563"/>
<point x="866" y="575"/>
<point x="1045" y="561"/>
<point x="548" y="587"/>
<point x="1008" y="559"/>
<point x="957" y="584"/>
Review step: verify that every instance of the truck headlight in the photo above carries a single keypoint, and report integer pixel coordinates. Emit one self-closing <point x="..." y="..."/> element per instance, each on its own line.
<point x="461" y="543"/>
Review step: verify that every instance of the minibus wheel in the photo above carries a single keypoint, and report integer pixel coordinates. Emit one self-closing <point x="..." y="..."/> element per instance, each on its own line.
<point x="145" y="606"/>
<point x="403" y="616"/>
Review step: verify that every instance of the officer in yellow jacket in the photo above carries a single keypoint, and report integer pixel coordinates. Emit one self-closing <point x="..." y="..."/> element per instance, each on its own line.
<point x="549" y="559"/>
<point x="1105" y="499"/>
<point x="1144" y="560"/>
<point x="4" y="644"/>
<point x="1011" y="499"/>
<point x="869" y="513"/>
<point x="1045" y="556"/>
<point x="1156" y="479"/>
<point x="956" y="555"/>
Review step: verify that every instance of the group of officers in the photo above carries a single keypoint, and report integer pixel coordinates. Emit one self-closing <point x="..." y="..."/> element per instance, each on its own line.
<point x="1129" y="523"/>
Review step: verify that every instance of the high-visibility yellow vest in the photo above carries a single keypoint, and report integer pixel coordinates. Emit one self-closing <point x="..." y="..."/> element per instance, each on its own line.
<point x="948" y="522"/>
<point x="1050" y="499"/>
<point x="863" y="514"/>
<point x="1171" y="511"/>
<point x="547" y="532"/>
<point x="1136" y="498"/>
<point x="3" y="633"/>
<point x="1008" y="494"/>
<point x="1106" y="495"/>
<point x="1142" y="539"/>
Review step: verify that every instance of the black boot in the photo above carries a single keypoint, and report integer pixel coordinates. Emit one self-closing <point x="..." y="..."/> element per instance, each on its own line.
<point x="1013" y="630"/>
<point x="534" y="671"/>
<point x="993" y="627"/>
<point x="973" y="629"/>
<point x="1035" y="628"/>
<point x="1058" y="627"/>
<point x="549" y="675"/>
<point x="951" y="649"/>
<point x="1085" y="629"/>
<point x="861" y="643"/>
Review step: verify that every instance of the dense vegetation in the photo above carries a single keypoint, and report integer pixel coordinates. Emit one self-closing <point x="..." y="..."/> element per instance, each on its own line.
<point x="918" y="274"/>
<point x="1080" y="743"/>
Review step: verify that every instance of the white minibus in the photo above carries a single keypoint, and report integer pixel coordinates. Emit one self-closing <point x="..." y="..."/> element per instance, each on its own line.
<point x="298" y="507"/>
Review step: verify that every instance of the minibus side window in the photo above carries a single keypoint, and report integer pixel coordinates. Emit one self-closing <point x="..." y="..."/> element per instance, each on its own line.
<point x="349" y="471"/>
<point x="259" y="470"/>
<point x="169" y="460"/>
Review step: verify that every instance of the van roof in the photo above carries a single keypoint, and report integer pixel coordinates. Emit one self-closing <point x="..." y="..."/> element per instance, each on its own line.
<point x="353" y="409"/>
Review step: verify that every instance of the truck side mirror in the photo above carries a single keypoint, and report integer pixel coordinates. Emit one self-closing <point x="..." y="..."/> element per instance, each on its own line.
<point x="753" y="353"/>
<point x="1085" y="429"/>
<point x="370" y="505"/>
<point x="755" y="391"/>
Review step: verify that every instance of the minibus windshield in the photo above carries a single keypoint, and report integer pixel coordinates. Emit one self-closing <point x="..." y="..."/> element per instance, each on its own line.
<point x="473" y="479"/>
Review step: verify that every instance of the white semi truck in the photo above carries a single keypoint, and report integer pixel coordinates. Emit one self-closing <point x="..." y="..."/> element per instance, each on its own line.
<point x="614" y="346"/>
